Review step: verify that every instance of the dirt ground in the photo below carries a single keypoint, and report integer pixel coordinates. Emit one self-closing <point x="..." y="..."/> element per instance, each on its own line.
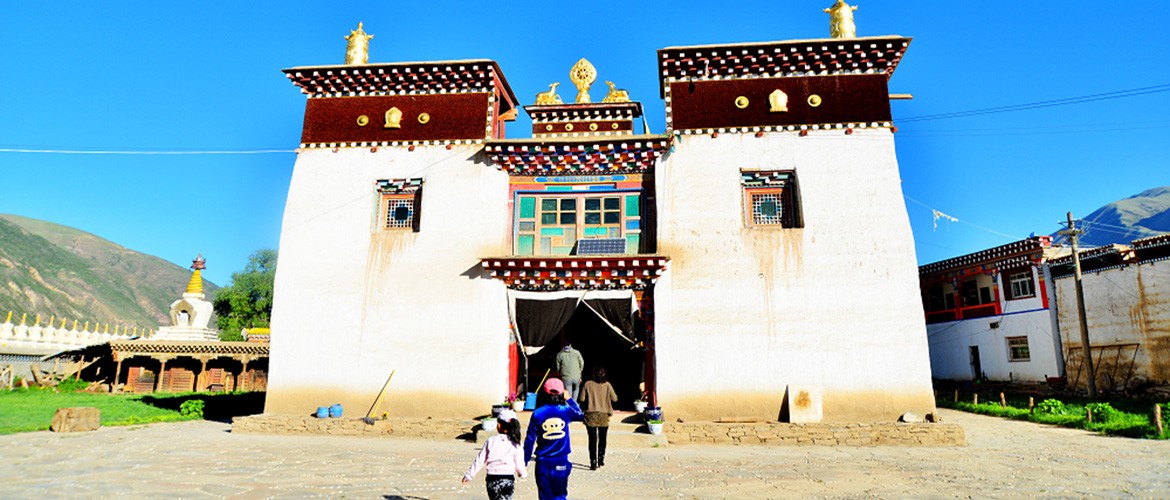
<point x="205" y="460"/>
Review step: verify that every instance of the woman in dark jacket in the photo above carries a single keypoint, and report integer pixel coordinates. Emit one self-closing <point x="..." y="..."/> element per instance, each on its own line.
<point x="597" y="399"/>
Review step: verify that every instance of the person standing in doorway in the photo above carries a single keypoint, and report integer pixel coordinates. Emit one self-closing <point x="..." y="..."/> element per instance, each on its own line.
<point x="548" y="433"/>
<point x="570" y="364"/>
<point x="598" y="397"/>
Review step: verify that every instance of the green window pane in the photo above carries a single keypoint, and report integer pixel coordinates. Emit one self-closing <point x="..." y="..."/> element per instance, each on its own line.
<point x="548" y="205"/>
<point x="528" y="226"/>
<point x="595" y="232"/>
<point x="524" y="244"/>
<point x="632" y="208"/>
<point x="568" y="204"/>
<point x="546" y="246"/>
<point x="552" y="231"/>
<point x="562" y="250"/>
<point x="592" y="204"/>
<point x="592" y="217"/>
<point x="613" y="203"/>
<point x="548" y="218"/>
<point x="615" y="232"/>
<point x="769" y="209"/>
<point x="632" y="242"/>
<point x="569" y="218"/>
<point x="612" y="218"/>
<point x="527" y="207"/>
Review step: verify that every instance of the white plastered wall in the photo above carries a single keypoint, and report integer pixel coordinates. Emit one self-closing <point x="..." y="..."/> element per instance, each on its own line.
<point x="741" y="312"/>
<point x="353" y="302"/>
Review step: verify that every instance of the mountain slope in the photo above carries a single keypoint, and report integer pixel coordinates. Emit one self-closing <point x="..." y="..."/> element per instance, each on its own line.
<point x="1139" y="216"/>
<point x="58" y="271"/>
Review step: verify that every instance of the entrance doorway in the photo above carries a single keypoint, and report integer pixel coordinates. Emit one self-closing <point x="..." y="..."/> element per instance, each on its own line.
<point x="613" y="343"/>
<point x="976" y="367"/>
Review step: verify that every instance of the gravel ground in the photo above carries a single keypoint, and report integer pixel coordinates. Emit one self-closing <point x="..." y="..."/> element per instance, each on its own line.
<point x="205" y="460"/>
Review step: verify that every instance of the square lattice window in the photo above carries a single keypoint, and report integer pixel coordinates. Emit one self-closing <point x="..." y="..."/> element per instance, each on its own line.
<point x="399" y="212"/>
<point x="771" y="199"/>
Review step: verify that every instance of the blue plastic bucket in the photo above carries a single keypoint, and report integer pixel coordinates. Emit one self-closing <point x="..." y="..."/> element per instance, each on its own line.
<point x="322" y="412"/>
<point x="335" y="411"/>
<point x="530" y="401"/>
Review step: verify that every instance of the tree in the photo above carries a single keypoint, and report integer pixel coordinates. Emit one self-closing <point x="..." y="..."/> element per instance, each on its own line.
<point x="247" y="301"/>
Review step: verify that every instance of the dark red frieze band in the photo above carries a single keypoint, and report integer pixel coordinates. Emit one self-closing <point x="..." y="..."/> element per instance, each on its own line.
<point x="843" y="99"/>
<point x="449" y="117"/>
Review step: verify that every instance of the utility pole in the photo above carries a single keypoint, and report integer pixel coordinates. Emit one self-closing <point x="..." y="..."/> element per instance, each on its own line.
<point x="1072" y="233"/>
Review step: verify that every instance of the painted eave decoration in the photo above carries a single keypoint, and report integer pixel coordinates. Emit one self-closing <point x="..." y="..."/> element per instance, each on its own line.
<point x="819" y="57"/>
<point x="1016" y="254"/>
<point x="405" y="78"/>
<point x="1094" y="260"/>
<point x="587" y="155"/>
<point x="1151" y="242"/>
<point x="576" y="112"/>
<point x="574" y="272"/>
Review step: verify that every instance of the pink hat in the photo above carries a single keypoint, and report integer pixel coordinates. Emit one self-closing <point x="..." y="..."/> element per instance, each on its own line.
<point x="554" y="386"/>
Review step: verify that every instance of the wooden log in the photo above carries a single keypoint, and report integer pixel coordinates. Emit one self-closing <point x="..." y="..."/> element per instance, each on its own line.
<point x="1002" y="401"/>
<point x="1088" y="415"/>
<point x="1158" y="418"/>
<point x="1031" y="405"/>
<point x="975" y="401"/>
<point x="956" y="395"/>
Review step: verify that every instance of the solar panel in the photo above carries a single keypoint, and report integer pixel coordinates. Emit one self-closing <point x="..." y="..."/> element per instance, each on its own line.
<point x="601" y="246"/>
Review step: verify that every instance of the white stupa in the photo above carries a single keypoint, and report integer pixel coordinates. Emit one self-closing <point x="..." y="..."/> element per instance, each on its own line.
<point x="191" y="314"/>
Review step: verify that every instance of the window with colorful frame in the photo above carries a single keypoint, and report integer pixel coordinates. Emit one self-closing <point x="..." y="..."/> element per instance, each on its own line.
<point x="1018" y="349"/>
<point x="399" y="202"/>
<point x="771" y="198"/>
<point x="1020" y="284"/>
<point x="553" y="222"/>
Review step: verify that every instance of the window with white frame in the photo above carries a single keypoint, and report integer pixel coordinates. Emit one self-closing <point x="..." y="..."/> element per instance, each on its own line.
<point x="771" y="198"/>
<point x="1018" y="349"/>
<point x="399" y="201"/>
<point x="1020" y="284"/>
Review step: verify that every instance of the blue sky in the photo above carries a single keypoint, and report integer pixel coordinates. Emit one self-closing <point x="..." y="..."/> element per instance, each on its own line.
<point x="166" y="76"/>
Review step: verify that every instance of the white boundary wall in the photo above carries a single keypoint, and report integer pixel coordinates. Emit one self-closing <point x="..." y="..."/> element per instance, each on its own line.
<point x="1125" y="306"/>
<point x="353" y="302"/>
<point x="742" y="313"/>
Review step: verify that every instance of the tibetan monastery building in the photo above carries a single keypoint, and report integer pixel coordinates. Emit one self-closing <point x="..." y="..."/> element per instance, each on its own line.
<point x="757" y="251"/>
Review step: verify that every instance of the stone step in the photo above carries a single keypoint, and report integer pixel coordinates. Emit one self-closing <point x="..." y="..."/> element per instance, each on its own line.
<point x="626" y="430"/>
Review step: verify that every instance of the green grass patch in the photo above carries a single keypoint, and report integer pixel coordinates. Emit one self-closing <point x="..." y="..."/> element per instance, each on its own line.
<point x="1128" y="418"/>
<point x="25" y="410"/>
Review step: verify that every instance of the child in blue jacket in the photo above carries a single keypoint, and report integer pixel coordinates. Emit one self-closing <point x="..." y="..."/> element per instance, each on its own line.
<point x="548" y="431"/>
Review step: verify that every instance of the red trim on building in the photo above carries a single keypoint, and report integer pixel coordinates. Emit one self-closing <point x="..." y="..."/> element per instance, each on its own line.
<point x="577" y="272"/>
<point x="843" y="99"/>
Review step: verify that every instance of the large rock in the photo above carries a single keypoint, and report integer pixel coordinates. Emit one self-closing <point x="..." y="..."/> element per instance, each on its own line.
<point x="78" y="419"/>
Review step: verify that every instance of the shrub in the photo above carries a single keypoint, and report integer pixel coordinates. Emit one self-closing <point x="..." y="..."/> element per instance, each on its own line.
<point x="192" y="408"/>
<point x="72" y="385"/>
<point x="1051" y="407"/>
<point x="1102" y="412"/>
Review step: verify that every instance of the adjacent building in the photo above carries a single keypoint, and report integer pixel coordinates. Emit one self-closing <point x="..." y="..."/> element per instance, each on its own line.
<point x="989" y="315"/>
<point x="1127" y="306"/>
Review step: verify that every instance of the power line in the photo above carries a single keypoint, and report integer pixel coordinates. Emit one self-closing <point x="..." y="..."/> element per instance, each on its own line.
<point x="1042" y="104"/>
<point x="992" y="231"/>
<point x="143" y="152"/>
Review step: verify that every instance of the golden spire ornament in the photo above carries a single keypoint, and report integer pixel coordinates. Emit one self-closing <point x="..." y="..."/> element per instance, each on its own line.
<point x="196" y="284"/>
<point x="583" y="74"/>
<point x="357" y="51"/>
<point x="841" y="20"/>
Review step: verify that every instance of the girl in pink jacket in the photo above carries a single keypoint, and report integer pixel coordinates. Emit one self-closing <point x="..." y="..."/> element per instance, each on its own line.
<point x="504" y="457"/>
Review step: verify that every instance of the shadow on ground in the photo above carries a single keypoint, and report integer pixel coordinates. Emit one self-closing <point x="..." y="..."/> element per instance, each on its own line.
<point x="216" y="407"/>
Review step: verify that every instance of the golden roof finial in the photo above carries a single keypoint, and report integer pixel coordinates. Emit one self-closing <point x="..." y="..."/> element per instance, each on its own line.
<point x="357" y="51"/>
<point x="196" y="283"/>
<point x="549" y="96"/>
<point x="841" y="20"/>
<point x="583" y="74"/>
<point x="615" y="94"/>
<point x="23" y="317"/>
<point x="9" y="320"/>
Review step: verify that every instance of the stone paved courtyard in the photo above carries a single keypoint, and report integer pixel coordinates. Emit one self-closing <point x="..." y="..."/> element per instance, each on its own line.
<point x="205" y="460"/>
